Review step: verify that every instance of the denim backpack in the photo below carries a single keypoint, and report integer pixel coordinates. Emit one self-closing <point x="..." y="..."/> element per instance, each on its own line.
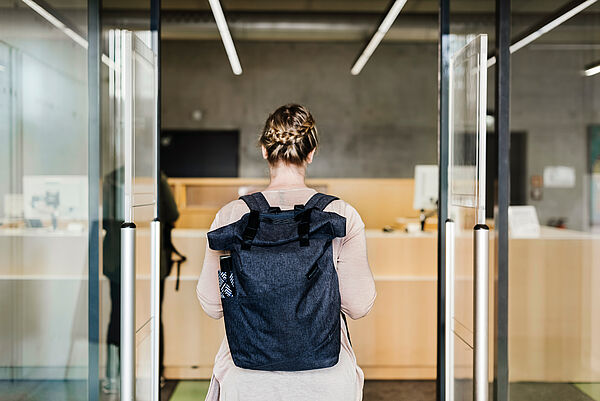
<point x="279" y="286"/>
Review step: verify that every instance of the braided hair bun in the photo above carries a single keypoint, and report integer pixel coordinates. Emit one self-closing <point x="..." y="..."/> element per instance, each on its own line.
<point x="289" y="135"/>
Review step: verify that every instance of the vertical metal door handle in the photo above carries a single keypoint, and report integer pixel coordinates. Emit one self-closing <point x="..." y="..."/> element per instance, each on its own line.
<point x="480" y="313"/>
<point x="128" y="312"/>
<point x="449" y="310"/>
<point x="155" y="305"/>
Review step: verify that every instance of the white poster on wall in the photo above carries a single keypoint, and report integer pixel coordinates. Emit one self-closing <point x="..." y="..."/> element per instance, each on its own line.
<point x="559" y="177"/>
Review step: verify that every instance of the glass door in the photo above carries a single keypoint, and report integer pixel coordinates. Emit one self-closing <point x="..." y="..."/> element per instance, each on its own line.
<point x="45" y="352"/>
<point x="467" y="235"/>
<point x="132" y="188"/>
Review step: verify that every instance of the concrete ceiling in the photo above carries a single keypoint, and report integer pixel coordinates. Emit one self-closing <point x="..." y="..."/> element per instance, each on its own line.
<point x="417" y="6"/>
<point x="324" y="20"/>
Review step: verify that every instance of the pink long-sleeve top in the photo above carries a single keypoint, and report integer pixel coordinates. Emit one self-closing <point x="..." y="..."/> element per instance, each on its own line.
<point x="344" y="381"/>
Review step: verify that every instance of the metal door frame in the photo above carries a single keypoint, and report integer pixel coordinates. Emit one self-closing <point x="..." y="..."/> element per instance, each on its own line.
<point x="502" y="98"/>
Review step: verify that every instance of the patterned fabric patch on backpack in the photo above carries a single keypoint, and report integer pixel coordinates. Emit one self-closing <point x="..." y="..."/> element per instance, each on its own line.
<point x="226" y="284"/>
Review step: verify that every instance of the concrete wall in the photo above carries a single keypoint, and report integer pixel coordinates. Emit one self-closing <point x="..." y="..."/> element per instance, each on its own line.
<point x="383" y="122"/>
<point x="378" y="124"/>
<point x="554" y="104"/>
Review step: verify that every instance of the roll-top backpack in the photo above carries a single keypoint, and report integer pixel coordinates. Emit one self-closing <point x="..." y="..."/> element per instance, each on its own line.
<point x="279" y="286"/>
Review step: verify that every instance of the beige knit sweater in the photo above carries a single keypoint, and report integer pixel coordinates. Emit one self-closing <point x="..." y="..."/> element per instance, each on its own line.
<point x="344" y="381"/>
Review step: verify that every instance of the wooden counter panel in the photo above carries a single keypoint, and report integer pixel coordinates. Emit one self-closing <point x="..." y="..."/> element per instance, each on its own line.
<point x="192" y="338"/>
<point x="388" y="255"/>
<point x="380" y="201"/>
<point x="553" y="310"/>
<point x="407" y="256"/>
<point x="554" y="306"/>
<point x="396" y="334"/>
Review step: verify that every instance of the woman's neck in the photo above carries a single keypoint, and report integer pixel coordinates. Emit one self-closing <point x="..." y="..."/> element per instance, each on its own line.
<point x="286" y="176"/>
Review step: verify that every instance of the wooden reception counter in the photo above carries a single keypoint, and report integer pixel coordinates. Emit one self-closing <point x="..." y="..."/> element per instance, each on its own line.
<point x="554" y="303"/>
<point x="396" y="340"/>
<point x="554" y="306"/>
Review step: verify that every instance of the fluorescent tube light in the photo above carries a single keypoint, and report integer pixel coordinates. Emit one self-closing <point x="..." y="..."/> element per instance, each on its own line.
<point x="569" y="11"/>
<point x="57" y="23"/>
<point x="77" y="38"/>
<point x="564" y="14"/>
<point x="215" y="5"/>
<point x="592" y="70"/>
<point x="377" y="36"/>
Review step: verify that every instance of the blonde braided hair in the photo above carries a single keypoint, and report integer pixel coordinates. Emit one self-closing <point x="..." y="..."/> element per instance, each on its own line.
<point x="289" y="135"/>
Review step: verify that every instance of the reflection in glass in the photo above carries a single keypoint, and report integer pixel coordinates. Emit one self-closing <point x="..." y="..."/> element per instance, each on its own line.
<point x="554" y="272"/>
<point x="129" y="195"/>
<point x="466" y="208"/>
<point x="43" y="205"/>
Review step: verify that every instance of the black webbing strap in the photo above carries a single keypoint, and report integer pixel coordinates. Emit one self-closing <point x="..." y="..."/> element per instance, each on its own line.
<point x="179" y="261"/>
<point x="256" y="201"/>
<point x="250" y="230"/>
<point x="319" y="201"/>
<point x="304" y="227"/>
<point x="347" y="330"/>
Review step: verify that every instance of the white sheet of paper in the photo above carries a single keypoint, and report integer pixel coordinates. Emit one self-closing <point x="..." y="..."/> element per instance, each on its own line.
<point x="523" y="222"/>
<point x="559" y="177"/>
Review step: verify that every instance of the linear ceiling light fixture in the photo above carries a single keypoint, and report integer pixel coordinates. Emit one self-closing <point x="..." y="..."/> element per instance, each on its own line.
<point x="48" y="16"/>
<point x="215" y="5"/>
<point x="43" y="9"/>
<point x="377" y="36"/>
<point x="565" y="13"/>
<point x="592" y="69"/>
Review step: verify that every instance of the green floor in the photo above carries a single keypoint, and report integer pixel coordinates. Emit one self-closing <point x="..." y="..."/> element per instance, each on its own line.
<point x="375" y="390"/>
<point x="591" y="389"/>
<point x="388" y="390"/>
<point x="190" y="391"/>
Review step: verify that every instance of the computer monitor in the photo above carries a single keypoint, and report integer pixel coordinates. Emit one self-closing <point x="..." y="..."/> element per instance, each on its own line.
<point x="426" y="187"/>
<point x="63" y="195"/>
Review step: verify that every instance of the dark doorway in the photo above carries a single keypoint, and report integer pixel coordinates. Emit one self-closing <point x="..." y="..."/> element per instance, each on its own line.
<point x="518" y="170"/>
<point x="199" y="153"/>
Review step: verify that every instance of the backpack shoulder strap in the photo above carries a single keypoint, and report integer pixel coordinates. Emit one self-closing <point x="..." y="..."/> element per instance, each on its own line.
<point x="319" y="201"/>
<point x="257" y="204"/>
<point x="256" y="201"/>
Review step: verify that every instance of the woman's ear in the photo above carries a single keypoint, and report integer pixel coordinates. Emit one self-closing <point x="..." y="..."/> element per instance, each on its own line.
<point x="310" y="156"/>
<point x="264" y="152"/>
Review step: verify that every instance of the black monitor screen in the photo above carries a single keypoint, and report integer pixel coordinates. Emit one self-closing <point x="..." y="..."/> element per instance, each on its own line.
<point x="199" y="153"/>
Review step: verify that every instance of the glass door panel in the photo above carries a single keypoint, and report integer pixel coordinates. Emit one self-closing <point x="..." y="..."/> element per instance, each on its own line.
<point x="44" y="221"/>
<point x="132" y="89"/>
<point x="143" y="204"/>
<point x="466" y="231"/>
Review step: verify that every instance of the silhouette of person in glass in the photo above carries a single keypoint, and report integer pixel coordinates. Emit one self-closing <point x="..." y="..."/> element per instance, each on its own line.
<point x="113" y="218"/>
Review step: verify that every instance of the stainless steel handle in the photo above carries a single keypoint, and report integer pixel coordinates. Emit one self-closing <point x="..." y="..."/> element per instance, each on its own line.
<point x="128" y="312"/>
<point x="480" y="313"/>
<point x="449" y="310"/>
<point x="155" y="305"/>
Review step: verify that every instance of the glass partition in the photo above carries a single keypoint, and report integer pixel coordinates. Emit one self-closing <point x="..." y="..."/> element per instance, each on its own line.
<point x="144" y="203"/>
<point x="375" y="128"/>
<point x="130" y="197"/>
<point x="466" y="210"/>
<point x="44" y="201"/>
<point x="554" y="247"/>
